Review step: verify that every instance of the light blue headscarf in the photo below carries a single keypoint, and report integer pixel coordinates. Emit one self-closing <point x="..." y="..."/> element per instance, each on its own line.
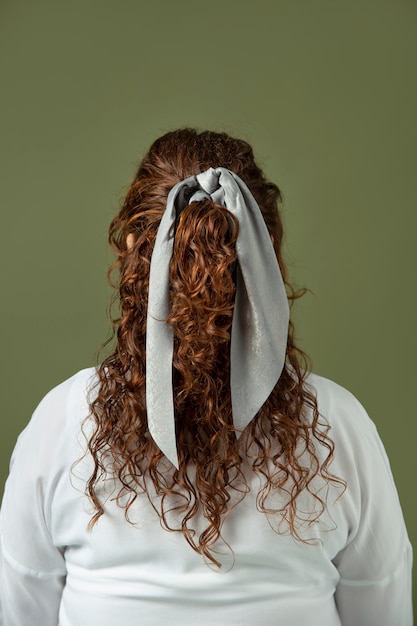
<point x="260" y="318"/>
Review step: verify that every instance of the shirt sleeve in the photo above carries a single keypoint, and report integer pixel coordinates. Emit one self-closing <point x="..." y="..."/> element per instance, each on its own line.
<point x="32" y="568"/>
<point x="28" y="597"/>
<point x="375" y="564"/>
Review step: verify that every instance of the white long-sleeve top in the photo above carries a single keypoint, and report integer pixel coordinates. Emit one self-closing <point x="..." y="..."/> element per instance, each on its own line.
<point x="356" y="573"/>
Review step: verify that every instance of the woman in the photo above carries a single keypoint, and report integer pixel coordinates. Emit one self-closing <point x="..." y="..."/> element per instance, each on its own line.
<point x="200" y="473"/>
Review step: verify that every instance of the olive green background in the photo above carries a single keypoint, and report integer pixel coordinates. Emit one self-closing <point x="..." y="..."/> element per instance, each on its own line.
<point x="326" y="93"/>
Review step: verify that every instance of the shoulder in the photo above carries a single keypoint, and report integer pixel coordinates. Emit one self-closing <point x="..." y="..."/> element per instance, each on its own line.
<point x="57" y="419"/>
<point x="329" y="392"/>
<point x="72" y="395"/>
<point x="355" y="436"/>
<point x="341" y="409"/>
<point x="70" y="389"/>
<point x="40" y="482"/>
<point x="359" y="453"/>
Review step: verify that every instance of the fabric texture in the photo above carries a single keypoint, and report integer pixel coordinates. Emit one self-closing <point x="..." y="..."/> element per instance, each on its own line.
<point x="260" y="318"/>
<point x="357" y="572"/>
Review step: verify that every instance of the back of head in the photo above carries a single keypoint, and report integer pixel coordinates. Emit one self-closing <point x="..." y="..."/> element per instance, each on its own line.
<point x="202" y="285"/>
<point x="201" y="304"/>
<point x="183" y="153"/>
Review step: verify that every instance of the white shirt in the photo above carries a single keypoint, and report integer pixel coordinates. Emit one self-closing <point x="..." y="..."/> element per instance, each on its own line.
<point x="55" y="572"/>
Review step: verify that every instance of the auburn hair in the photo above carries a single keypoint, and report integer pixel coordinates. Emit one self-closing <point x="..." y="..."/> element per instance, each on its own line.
<point x="211" y="477"/>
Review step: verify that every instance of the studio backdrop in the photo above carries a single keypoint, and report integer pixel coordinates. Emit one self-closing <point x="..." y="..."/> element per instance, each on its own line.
<point x="325" y="92"/>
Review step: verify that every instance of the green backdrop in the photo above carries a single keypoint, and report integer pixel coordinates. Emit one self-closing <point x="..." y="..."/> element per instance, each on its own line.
<point x="326" y="93"/>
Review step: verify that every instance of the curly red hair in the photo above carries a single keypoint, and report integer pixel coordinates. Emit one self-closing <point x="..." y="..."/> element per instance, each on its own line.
<point x="202" y="291"/>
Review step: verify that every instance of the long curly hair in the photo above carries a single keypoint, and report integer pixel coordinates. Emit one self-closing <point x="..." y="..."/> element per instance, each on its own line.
<point x="211" y="477"/>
